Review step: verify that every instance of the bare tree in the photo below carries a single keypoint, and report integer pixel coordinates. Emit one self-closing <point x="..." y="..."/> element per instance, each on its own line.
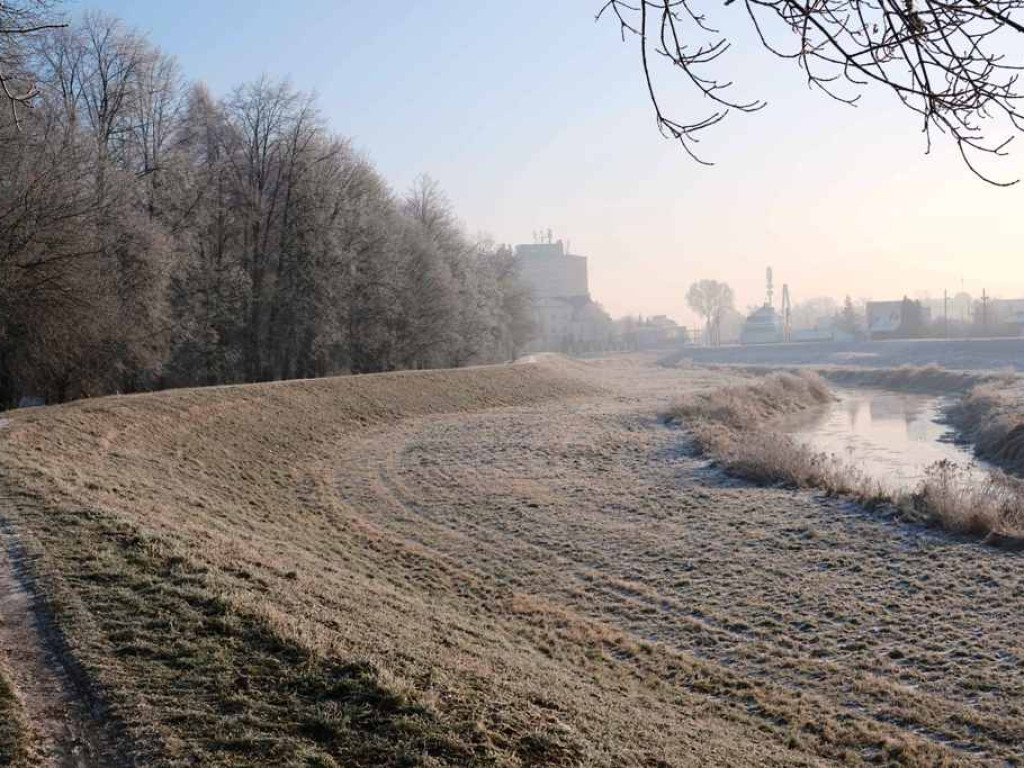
<point x="709" y="299"/>
<point x="262" y="116"/>
<point x="21" y="21"/>
<point x="153" y="236"/>
<point x="947" y="60"/>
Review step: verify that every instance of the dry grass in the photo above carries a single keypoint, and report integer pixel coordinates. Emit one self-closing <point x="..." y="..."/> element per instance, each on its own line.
<point x="497" y="567"/>
<point x="965" y="500"/>
<point x="746" y="406"/>
<point x="15" y="734"/>
<point x="216" y="595"/>
<point x="991" y="417"/>
<point x="931" y="378"/>
<point x="906" y="378"/>
<point x="770" y="458"/>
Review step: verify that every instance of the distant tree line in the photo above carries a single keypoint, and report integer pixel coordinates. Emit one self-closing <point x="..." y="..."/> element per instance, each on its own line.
<point x="152" y="235"/>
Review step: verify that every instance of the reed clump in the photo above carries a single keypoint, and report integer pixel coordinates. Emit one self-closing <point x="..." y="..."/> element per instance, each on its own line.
<point x="746" y="406"/>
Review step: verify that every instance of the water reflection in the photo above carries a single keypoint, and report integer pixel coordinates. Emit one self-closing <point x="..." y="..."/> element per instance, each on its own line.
<point x="891" y="436"/>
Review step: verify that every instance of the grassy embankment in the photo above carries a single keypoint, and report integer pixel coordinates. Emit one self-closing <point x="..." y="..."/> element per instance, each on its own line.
<point x="224" y="605"/>
<point x="931" y="379"/>
<point x="991" y="418"/>
<point x="733" y="425"/>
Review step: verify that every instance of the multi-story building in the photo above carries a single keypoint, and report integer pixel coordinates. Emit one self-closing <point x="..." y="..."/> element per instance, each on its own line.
<point x="565" y="317"/>
<point x="551" y="272"/>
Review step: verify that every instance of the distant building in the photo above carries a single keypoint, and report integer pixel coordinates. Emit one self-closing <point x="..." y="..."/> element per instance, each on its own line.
<point x="903" y="319"/>
<point x="565" y="317"/>
<point x="551" y="272"/>
<point x="660" y="332"/>
<point x="883" y="318"/>
<point x="1007" y="315"/>
<point x="764" y="326"/>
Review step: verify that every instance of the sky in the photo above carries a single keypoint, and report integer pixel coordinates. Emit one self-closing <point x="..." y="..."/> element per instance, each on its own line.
<point x="532" y="115"/>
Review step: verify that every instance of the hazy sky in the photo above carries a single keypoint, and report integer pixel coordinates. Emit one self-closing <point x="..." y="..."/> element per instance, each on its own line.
<point x="531" y="115"/>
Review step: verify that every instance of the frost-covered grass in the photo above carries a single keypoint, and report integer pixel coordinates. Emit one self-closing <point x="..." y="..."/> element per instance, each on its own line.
<point x="220" y="598"/>
<point x="991" y="417"/>
<point x="906" y="378"/>
<point x="770" y="458"/>
<point x="748" y="406"/>
<point x="961" y="499"/>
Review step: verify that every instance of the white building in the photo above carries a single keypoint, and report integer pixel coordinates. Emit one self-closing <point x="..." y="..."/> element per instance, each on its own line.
<point x="565" y="317"/>
<point x="896" y="319"/>
<point x="551" y="272"/>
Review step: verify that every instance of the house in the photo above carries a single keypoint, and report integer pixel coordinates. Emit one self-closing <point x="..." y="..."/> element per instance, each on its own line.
<point x="904" y="319"/>
<point x="1007" y="315"/>
<point x="658" y="332"/>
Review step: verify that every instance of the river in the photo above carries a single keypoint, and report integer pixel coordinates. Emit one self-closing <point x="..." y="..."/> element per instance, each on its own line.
<point x="891" y="436"/>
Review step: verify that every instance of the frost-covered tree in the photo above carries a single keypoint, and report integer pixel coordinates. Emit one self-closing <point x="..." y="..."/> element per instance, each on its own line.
<point x="153" y="235"/>
<point x="709" y="299"/>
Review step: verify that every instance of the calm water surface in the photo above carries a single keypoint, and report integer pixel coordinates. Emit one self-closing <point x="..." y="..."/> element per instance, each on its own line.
<point x="891" y="436"/>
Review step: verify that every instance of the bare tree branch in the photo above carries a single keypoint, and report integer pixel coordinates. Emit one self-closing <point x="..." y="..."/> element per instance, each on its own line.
<point x="20" y="21"/>
<point x="944" y="59"/>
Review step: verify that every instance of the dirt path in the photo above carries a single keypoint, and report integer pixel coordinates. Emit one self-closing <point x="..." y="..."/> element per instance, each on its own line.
<point x="63" y="734"/>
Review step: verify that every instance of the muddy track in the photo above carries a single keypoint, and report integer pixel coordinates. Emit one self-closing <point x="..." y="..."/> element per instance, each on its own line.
<point x="65" y="732"/>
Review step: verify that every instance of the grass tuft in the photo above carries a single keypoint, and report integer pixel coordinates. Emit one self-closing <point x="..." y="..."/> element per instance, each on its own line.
<point x="961" y="500"/>
<point x="745" y="406"/>
<point x="991" y="417"/>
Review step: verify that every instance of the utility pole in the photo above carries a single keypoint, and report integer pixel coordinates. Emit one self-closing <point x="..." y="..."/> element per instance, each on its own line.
<point x="945" y="310"/>
<point x="984" y="311"/>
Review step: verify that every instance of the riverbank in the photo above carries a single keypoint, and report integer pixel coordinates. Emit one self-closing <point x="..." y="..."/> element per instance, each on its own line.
<point x="991" y="418"/>
<point x="954" y="354"/>
<point x="738" y="428"/>
<point x="987" y="413"/>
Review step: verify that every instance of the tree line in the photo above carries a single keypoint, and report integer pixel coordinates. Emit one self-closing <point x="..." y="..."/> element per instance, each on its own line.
<point x="152" y="235"/>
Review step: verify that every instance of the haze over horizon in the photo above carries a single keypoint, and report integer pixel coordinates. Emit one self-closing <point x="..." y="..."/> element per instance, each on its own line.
<point x="532" y="116"/>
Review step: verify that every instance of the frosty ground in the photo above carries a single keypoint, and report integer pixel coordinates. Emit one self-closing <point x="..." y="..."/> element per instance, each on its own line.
<point x="518" y="565"/>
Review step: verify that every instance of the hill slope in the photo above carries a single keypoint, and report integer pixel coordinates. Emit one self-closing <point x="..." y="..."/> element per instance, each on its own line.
<point x="223" y="605"/>
<point x="508" y="566"/>
<point x="180" y="537"/>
